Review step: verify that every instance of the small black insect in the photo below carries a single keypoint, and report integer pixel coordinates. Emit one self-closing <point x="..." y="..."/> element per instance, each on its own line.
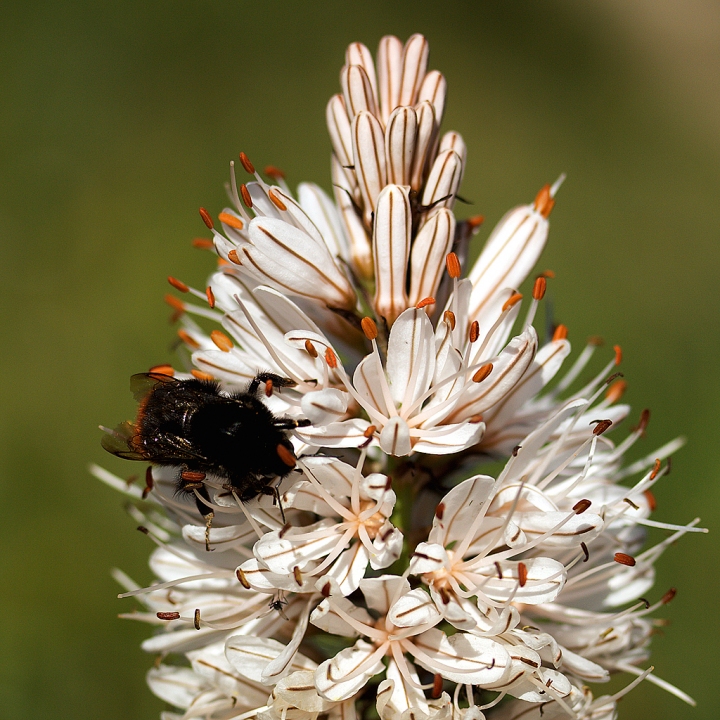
<point x="194" y="424"/>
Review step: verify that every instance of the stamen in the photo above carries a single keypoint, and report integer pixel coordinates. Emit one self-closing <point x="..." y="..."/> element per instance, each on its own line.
<point x="331" y="358"/>
<point x="175" y="303"/>
<point x="453" y="265"/>
<point x="245" y="195"/>
<point x="203" y="244"/>
<point x="210" y="296"/>
<point x="425" y="302"/>
<point x="618" y="354"/>
<point x="656" y="469"/>
<point x="178" y="284"/>
<point x="233" y="257"/>
<point x="601" y="427"/>
<point x="474" y="332"/>
<point x="580" y="507"/>
<point x="276" y="201"/>
<point x="539" y="288"/>
<point x="616" y="391"/>
<point x="561" y="333"/>
<point x="188" y="339"/>
<point x="514" y="299"/>
<point x="200" y="375"/>
<point x="242" y="579"/>
<point x="310" y="349"/>
<point x="522" y="574"/>
<point x="642" y="425"/>
<point x="624" y="559"/>
<point x="274" y="172"/>
<point x="168" y="615"/>
<point x="449" y="318"/>
<point x="475" y="222"/>
<point x="222" y="341"/>
<point x="586" y="553"/>
<point x="247" y="165"/>
<point x="162" y="370"/>
<point x="369" y="328"/>
<point x="196" y="619"/>
<point x="205" y="215"/>
<point x="231" y="220"/>
<point x="482" y="373"/>
<point x="437" y="684"/>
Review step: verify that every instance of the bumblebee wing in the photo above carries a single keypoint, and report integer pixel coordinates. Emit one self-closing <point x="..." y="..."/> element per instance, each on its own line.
<point x="118" y="441"/>
<point x="142" y="383"/>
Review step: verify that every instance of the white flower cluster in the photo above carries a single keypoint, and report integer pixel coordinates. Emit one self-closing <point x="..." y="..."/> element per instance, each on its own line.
<point x="390" y="584"/>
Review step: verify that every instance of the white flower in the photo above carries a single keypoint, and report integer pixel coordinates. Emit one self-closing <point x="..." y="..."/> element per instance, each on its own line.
<point x="502" y="595"/>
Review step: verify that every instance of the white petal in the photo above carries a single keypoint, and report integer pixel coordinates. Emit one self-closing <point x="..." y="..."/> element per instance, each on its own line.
<point x="322" y="407"/>
<point x="429" y="558"/>
<point x="339" y="127"/>
<point x="325" y="617"/>
<point x="400" y="136"/>
<point x="454" y="437"/>
<point x="329" y="677"/>
<point x="175" y="685"/>
<point x="444" y="180"/>
<point x="460" y="507"/>
<point x="381" y="591"/>
<point x="414" y="609"/>
<point x="390" y="66"/>
<point x="391" y="249"/>
<point x="464" y="658"/>
<point x="358" y="54"/>
<point x="426" y="134"/>
<point x="415" y="57"/>
<point x="427" y="258"/>
<point x="357" y="90"/>
<point x="323" y="213"/>
<point x="434" y="90"/>
<point x="349" y="433"/>
<point x="250" y="656"/>
<point x="509" y="255"/>
<point x="410" y="357"/>
<point x="368" y="141"/>
<point x="395" y="437"/>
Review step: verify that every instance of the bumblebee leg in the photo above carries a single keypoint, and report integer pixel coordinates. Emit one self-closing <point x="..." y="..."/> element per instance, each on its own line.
<point x="274" y="490"/>
<point x="290" y="424"/>
<point x="271" y="380"/>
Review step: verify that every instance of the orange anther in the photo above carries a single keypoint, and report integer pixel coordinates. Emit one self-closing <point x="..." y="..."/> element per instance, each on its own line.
<point x="200" y="375"/>
<point x="656" y="469"/>
<point x="269" y="387"/>
<point x="245" y="195"/>
<point x="601" y="427"/>
<point x="233" y="257"/>
<point x="222" y="341"/>
<point x="297" y="575"/>
<point x="205" y="215"/>
<point x="475" y="221"/>
<point x="539" y="288"/>
<point x="178" y="284"/>
<point x="331" y="358"/>
<point x="651" y="501"/>
<point x="231" y="220"/>
<point x="522" y="574"/>
<point x="550" y="274"/>
<point x="595" y="341"/>
<point x="482" y="373"/>
<point x="310" y="348"/>
<point x="369" y="431"/>
<point x="210" y="296"/>
<point x="188" y="339"/>
<point x="425" y="302"/>
<point x="616" y="391"/>
<point x="544" y="202"/>
<point x="369" y="328"/>
<point x="203" y="244"/>
<point x="326" y="590"/>
<point x="168" y="615"/>
<point x="274" y="172"/>
<point x="162" y="370"/>
<point x="668" y="596"/>
<point x="437" y="686"/>
<point x="618" y="354"/>
<point x="245" y="162"/>
<point x="453" y="265"/>
<point x="286" y="455"/>
<point x="514" y="299"/>
<point x="624" y="559"/>
<point x="276" y="201"/>
<point x="449" y="318"/>
<point x="440" y="511"/>
<point x="561" y="333"/>
<point x="474" y="332"/>
<point x="175" y="303"/>
<point x="192" y="476"/>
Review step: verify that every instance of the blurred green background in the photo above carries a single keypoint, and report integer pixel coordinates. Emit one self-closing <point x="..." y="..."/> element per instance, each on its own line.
<point x="118" y="120"/>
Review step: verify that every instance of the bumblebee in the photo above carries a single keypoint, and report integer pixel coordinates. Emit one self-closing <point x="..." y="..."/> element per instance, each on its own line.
<point x="204" y="430"/>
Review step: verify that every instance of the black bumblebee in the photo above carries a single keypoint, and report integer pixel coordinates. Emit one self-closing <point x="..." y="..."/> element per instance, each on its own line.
<point x="194" y="424"/>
